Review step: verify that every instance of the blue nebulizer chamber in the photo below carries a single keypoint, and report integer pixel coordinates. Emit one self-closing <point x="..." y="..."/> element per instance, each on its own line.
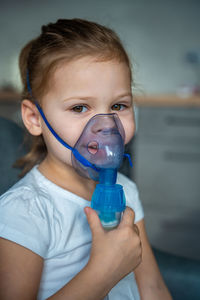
<point x="108" y="199"/>
<point x="102" y="144"/>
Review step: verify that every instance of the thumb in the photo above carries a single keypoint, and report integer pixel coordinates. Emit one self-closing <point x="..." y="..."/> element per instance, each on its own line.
<point x="128" y="217"/>
<point x="93" y="220"/>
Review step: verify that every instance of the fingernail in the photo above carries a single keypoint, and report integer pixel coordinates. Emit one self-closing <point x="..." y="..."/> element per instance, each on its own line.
<point x="87" y="210"/>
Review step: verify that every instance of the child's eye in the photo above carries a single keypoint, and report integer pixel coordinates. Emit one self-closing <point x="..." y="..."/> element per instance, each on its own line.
<point x="118" y="107"/>
<point x="79" y="108"/>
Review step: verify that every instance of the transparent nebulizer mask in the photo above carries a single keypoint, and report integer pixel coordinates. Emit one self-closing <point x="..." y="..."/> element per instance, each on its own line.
<point x="102" y="144"/>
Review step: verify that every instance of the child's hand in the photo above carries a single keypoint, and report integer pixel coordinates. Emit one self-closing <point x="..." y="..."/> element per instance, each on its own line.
<point x="114" y="253"/>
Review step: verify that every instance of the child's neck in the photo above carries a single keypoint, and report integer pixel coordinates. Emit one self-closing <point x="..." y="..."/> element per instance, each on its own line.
<point x="66" y="177"/>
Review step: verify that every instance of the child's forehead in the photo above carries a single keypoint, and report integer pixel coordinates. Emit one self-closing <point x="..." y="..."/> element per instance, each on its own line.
<point x="88" y="74"/>
<point x="84" y="64"/>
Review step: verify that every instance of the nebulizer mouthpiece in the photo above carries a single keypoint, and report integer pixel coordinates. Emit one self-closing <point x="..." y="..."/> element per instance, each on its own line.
<point x="102" y="144"/>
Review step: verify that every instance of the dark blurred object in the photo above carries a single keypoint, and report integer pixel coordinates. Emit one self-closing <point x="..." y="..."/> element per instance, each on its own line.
<point x="181" y="275"/>
<point x="8" y="87"/>
<point x="11" y="148"/>
<point x="193" y="58"/>
<point x="9" y="94"/>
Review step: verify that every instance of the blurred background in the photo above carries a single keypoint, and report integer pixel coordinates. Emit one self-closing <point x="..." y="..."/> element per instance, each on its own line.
<point x="163" y="42"/>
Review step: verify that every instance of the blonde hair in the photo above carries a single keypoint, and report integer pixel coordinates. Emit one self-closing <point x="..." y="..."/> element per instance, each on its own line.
<point x="65" y="40"/>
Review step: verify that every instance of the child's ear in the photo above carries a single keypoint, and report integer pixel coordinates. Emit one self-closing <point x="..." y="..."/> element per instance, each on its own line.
<point x="31" y="117"/>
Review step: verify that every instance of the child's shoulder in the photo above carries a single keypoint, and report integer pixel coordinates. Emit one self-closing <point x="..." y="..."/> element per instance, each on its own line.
<point x="25" y="216"/>
<point x="26" y="195"/>
<point x="126" y="182"/>
<point x="132" y="195"/>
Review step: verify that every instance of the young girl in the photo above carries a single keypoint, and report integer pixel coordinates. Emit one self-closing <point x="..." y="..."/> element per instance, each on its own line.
<point x="52" y="242"/>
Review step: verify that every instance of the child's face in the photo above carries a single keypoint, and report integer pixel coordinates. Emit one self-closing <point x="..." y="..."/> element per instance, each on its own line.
<point x="80" y="90"/>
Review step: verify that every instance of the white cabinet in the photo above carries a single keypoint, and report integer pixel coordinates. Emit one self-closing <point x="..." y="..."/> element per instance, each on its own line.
<point x="167" y="172"/>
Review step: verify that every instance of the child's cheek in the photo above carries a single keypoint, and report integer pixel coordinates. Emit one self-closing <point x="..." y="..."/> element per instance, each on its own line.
<point x="129" y="128"/>
<point x="57" y="150"/>
<point x="62" y="153"/>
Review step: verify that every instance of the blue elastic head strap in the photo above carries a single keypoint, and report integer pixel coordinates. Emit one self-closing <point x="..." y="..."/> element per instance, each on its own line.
<point x="75" y="152"/>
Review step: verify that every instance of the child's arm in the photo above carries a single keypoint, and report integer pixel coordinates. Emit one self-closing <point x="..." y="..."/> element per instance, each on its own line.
<point x="20" y="272"/>
<point x="114" y="254"/>
<point x="149" y="279"/>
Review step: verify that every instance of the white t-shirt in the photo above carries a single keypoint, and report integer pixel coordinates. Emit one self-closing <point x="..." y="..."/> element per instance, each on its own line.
<point x="50" y="221"/>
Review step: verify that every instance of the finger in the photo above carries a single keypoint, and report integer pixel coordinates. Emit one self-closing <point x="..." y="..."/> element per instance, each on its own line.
<point x="128" y="217"/>
<point x="136" y="229"/>
<point x="93" y="220"/>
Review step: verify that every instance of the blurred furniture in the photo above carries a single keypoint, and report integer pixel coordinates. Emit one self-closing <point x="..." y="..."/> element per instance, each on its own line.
<point x="167" y="171"/>
<point x="167" y="100"/>
<point x="10" y="106"/>
<point x="11" y="148"/>
<point x="182" y="275"/>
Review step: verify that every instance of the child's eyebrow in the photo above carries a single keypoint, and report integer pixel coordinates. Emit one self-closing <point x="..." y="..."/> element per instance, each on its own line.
<point x="124" y="95"/>
<point x="79" y="98"/>
<point x="94" y="98"/>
